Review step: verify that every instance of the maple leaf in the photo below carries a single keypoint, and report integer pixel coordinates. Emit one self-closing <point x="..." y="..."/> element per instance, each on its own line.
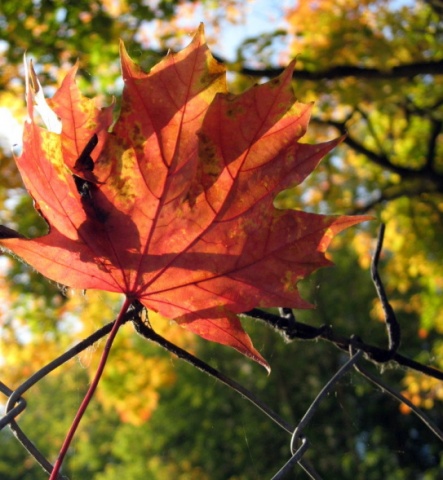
<point x="174" y="205"/>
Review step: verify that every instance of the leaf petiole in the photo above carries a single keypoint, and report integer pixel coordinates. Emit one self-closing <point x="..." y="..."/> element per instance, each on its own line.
<point x="91" y="390"/>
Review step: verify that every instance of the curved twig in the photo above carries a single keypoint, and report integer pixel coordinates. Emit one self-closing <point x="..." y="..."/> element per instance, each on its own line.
<point x="392" y="325"/>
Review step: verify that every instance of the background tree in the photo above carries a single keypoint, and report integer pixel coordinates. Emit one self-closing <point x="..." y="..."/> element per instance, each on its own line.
<point x="374" y="69"/>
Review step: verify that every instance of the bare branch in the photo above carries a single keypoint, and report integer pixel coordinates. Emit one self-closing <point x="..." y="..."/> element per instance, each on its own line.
<point x="436" y="130"/>
<point x="407" y="70"/>
<point x="428" y="179"/>
<point x="392" y="325"/>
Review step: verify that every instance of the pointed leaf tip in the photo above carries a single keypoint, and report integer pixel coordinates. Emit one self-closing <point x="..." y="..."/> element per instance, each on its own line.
<point x="35" y="98"/>
<point x="226" y="331"/>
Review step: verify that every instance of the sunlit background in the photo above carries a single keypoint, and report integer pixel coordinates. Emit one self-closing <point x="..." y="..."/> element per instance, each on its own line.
<point x="374" y="69"/>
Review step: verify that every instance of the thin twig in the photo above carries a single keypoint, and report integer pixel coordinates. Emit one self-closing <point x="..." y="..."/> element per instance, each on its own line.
<point x="326" y="332"/>
<point x="392" y="325"/>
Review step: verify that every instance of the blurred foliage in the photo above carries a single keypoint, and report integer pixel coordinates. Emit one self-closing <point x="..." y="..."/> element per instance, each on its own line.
<point x="155" y="417"/>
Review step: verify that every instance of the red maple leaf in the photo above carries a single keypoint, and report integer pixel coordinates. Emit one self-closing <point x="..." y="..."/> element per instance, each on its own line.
<point x="174" y="205"/>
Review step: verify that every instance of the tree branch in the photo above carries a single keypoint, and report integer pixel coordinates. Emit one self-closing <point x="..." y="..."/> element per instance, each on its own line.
<point x="431" y="181"/>
<point x="392" y="326"/>
<point x="391" y="192"/>
<point x="407" y="70"/>
<point x="380" y="159"/>
<point x="436" y="130"/>
<point x="325" y="332"/>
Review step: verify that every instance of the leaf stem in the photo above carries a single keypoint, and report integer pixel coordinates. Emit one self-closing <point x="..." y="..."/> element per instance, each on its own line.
<point x="91" y="390"/>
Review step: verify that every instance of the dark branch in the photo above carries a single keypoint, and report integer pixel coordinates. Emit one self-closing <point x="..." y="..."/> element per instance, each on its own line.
<point x="415" y="181"/>
<point x="389" y="193"/>
<point x="436" y="129"/>
<point x="379" y="159"/>
<point x="325" y="332"/>
<point x="392" y="325"/>
<point x="408" y="70"/>
<point x="428" y="179"/>
<point x="430" y="111"/>
<point x="437" y="6"/>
